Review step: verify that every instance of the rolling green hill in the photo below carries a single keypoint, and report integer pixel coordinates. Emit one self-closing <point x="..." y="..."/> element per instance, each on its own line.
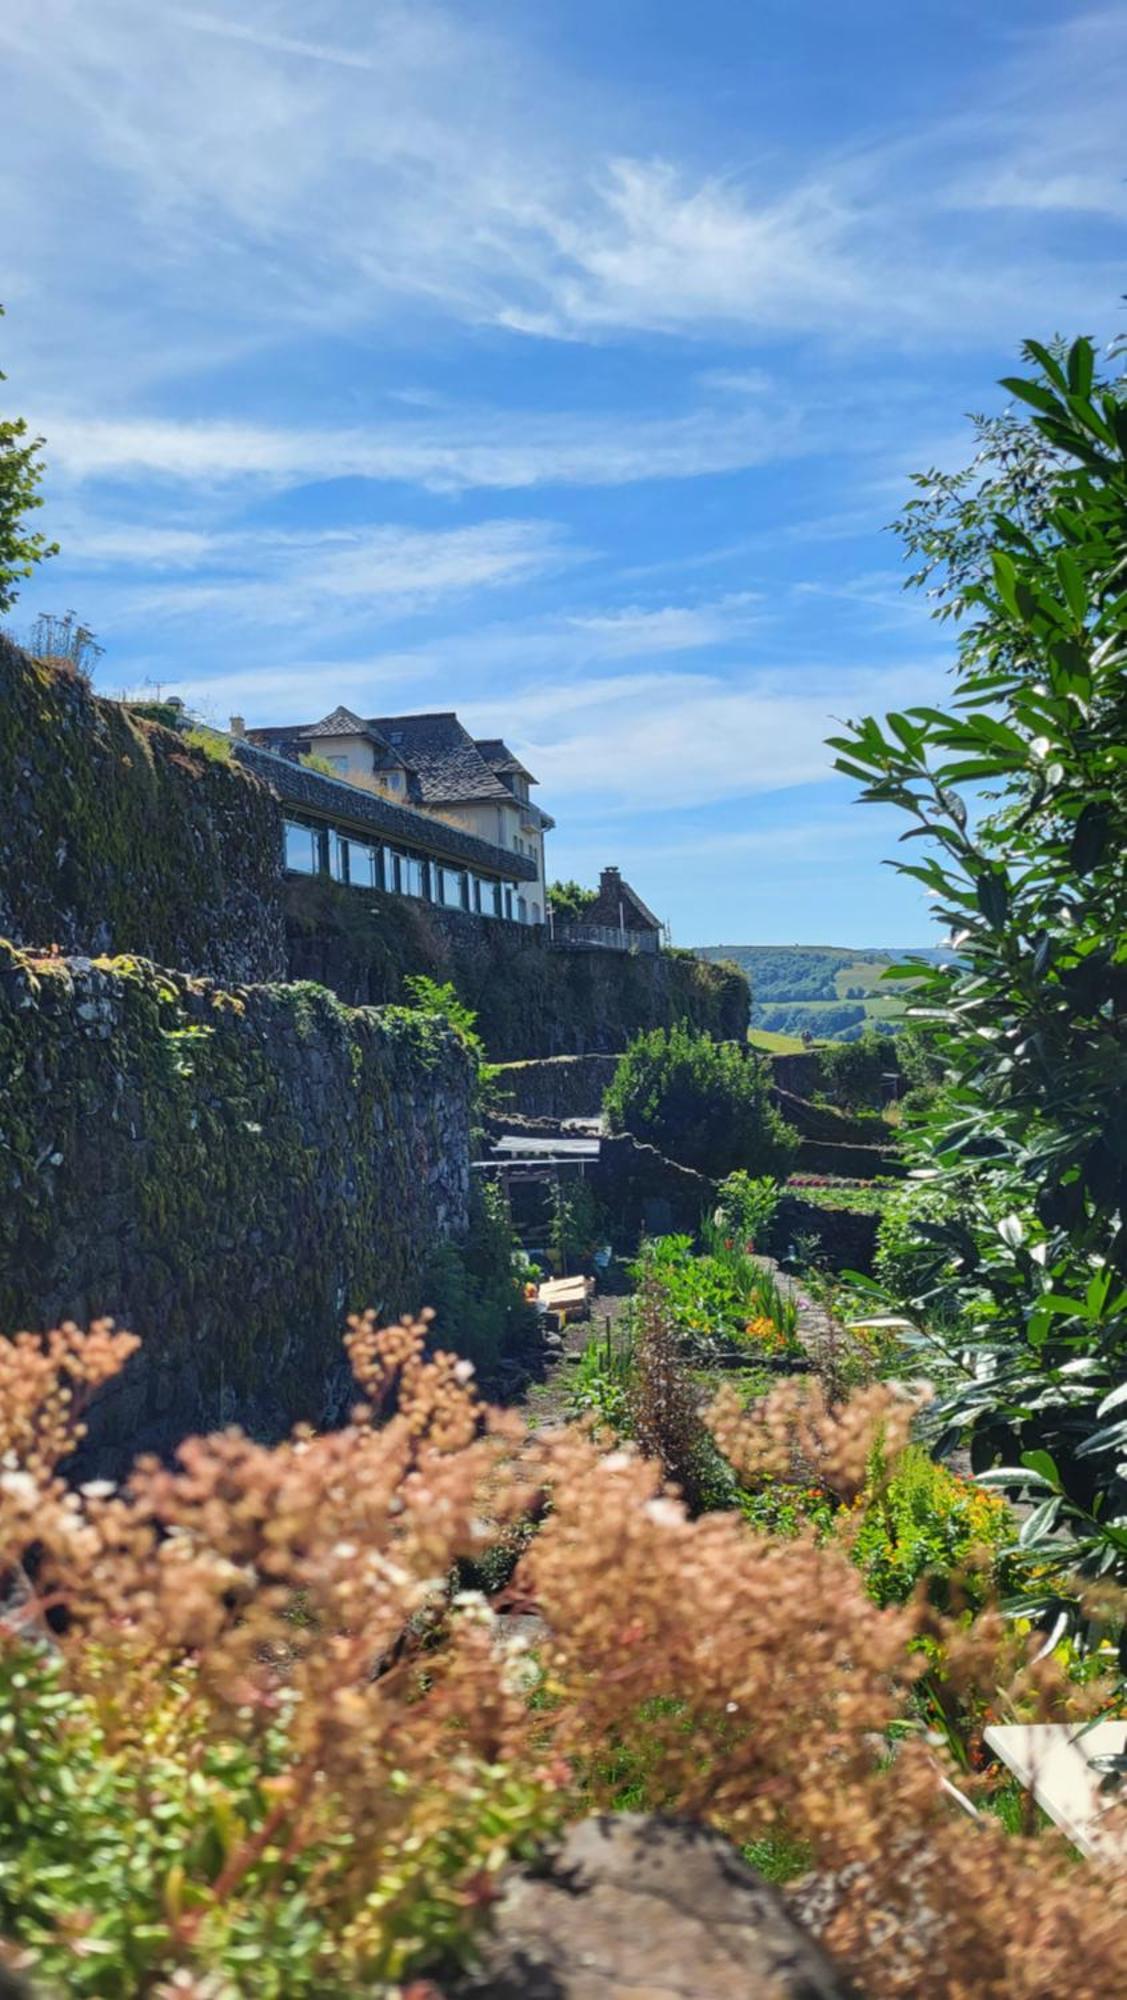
<point x="829" y="991"/>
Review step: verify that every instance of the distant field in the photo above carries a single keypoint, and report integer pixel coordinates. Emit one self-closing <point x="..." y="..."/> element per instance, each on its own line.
<point x="828" y="991"/>
<point x="775" y="1045"/>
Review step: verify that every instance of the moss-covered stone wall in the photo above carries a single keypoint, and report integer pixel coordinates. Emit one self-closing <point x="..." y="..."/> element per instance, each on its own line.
<point x="555" y="1086"/>
<point x="115" y="836"/>
<point x="531" y="1000"/>
<point x="228" y="1173"/>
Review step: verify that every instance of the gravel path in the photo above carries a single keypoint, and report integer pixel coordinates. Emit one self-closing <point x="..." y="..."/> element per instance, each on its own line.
<point x="546" y="1402"/>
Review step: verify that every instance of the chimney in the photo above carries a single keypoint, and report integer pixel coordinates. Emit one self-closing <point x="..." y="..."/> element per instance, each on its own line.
<point x="238" y="725"/>
<point x="609" y="882"/>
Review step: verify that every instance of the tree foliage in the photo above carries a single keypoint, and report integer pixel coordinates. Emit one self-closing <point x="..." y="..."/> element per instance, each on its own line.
<point x="20" y="476"/>
<point x="792" y="1017"/>
<point x="704" y="1103"/>
<point x="854" y="1072"/>
<point x="570" y="901"/>
<point x="1019" y="791"/>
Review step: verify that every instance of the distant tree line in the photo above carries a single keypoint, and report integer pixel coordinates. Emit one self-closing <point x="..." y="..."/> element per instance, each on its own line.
<point x="793" y="1018"/>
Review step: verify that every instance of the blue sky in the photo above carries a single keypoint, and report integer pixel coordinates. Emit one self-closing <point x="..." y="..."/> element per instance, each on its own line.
<point x="557" y="363"/>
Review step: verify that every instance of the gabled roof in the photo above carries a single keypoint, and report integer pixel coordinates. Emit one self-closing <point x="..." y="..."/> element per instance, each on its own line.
<point x="342" y="722"/>
<point x="500" y="758"/>
<point x="613" y="890"/>
<point x="643" y="910"/>
<point x="449" y="765"/>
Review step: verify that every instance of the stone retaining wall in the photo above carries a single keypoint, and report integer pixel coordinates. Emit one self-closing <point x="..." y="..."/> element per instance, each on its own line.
<point x="557" y="1087"/>
<point x="846" y="1237"/>
<point x="116" y="836"/>
<point x="643" y="1193"/>
<point x="228" y="1173"/>
<point x="531" y="999"/>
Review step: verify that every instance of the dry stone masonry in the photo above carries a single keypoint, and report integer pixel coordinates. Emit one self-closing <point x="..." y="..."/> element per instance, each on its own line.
<point x="226" y="1172"/>
<point x="116" y="836"/>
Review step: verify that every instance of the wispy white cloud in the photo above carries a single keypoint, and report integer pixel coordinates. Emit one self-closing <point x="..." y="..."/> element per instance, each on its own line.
<point x="670" y="628"/>
<point x="491" y="449"/>
<point x="689" y="740"/>
<point x="298" y="581"/>
<point x="414" y="159"/>
<point x="262" y="38"/>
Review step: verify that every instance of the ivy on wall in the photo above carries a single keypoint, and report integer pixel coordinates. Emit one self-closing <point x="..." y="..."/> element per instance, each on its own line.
<point x="530" y="1000"/>
<point x="118" y="836"/>
<point x="227" y="1172"/>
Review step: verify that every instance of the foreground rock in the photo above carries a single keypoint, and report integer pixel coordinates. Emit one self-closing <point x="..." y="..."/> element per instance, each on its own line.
<point x="639" y="1908"/>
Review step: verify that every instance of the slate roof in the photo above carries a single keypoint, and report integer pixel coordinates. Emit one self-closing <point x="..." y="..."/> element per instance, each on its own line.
<point x="612" y="891"/>
<point x="350" y="806"/>
<point x="342" y="722"/>
<point x="450" y="768"/>
<point x="446" y="766"/>
<point x="496" y="753"/>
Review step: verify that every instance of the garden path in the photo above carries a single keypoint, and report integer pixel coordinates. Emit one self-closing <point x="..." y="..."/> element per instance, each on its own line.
<point x="547" y="1402"/>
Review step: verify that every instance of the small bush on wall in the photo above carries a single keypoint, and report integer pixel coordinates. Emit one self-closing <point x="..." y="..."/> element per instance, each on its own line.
<point x="703" y="1103"/>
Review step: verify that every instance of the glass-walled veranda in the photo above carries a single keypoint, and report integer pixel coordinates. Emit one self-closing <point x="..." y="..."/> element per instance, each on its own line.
<point x="321" y="850"/>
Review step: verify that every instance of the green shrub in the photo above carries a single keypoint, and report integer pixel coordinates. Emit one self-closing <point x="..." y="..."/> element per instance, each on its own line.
<point x="1017" y="796"/>
<point x="209" y="743"/>
<point x="703" y="1103"/>
<point x="600" y="1382"/>
<point x="475" y="1288"/>
<point x="912" y="1258"/>
<point x="854" y="1072"/>
<point x="577" y="1224"/>
<point x="927" y="1522"/>
<point x="745" y="1207"/>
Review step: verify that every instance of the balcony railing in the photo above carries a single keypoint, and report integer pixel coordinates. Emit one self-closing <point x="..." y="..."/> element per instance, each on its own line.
<point x="605" y="937"/>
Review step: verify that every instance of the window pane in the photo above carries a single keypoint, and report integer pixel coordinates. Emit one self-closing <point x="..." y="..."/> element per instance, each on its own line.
<point x="301" y="854"/>
<point x="361" y="861"/>
<point x="412" y="875"/>
<point x="338" y="858"/>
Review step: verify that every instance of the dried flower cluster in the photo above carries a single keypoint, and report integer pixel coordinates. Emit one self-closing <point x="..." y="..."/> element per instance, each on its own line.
<point x="268" y="1748"/>
<point x="798" y="1435"/>
<point x="663" y="1400"/>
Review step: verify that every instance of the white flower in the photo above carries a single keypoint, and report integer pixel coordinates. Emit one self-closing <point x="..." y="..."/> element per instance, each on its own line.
<point x="665" y="1513"/>
<point x="615" y="1461"/>
<point x="471" y="1600"/>
<point x="20" y="1485"/>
